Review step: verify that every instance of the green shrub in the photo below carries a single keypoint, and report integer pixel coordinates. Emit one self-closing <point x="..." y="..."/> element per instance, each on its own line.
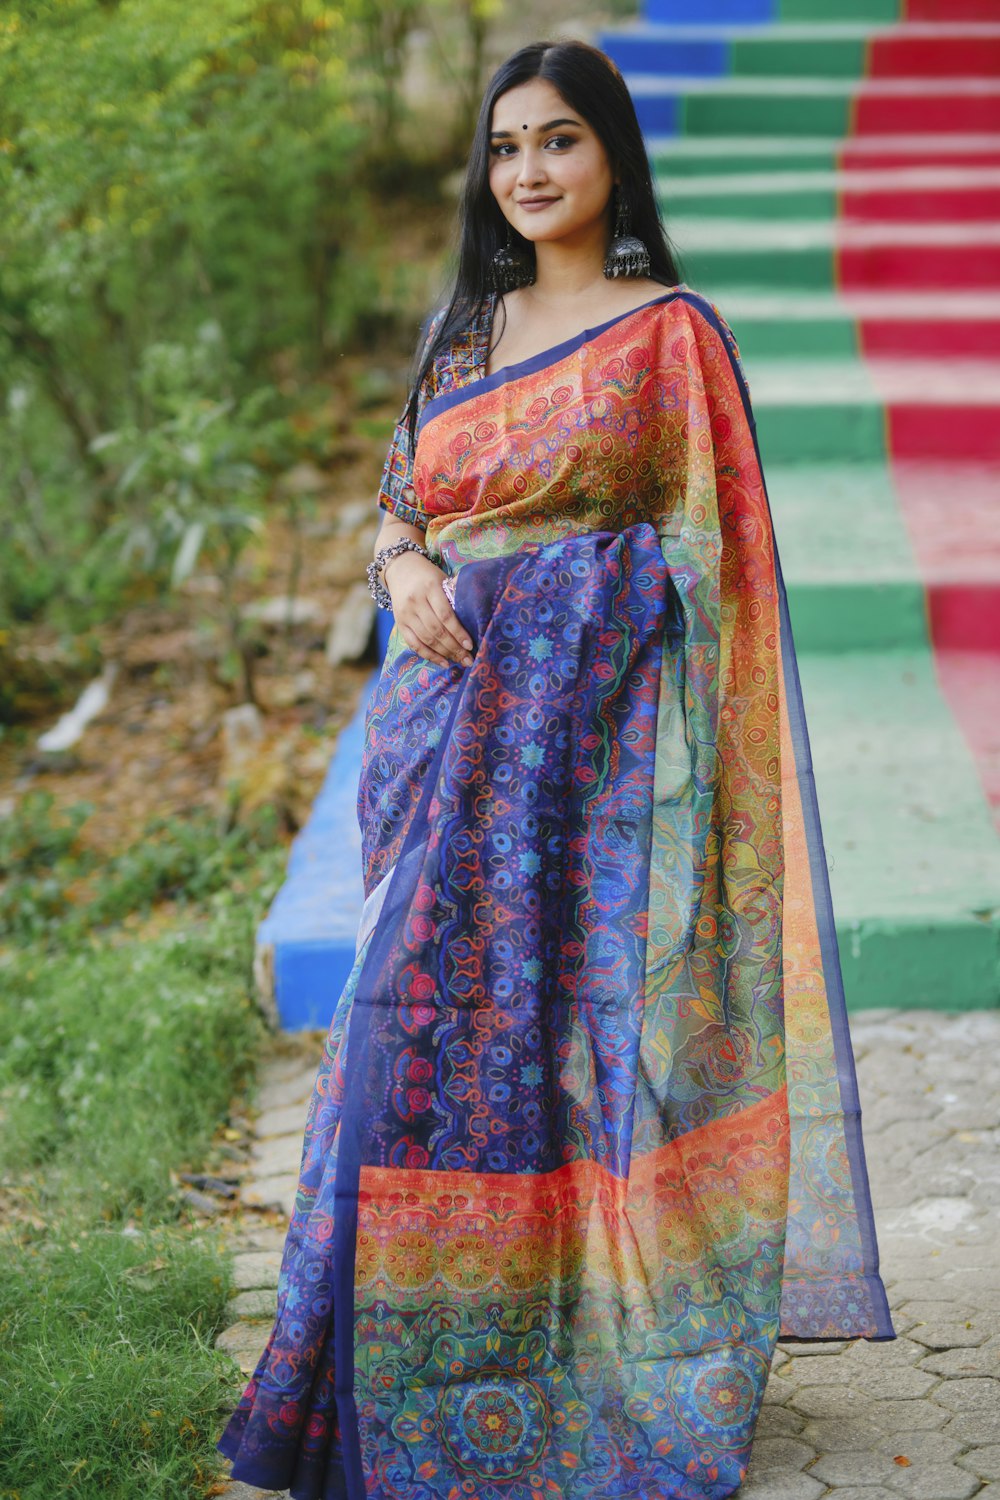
<point x="54" y="888"/>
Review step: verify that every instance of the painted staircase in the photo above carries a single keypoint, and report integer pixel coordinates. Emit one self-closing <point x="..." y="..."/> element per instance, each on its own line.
<point x="830" y="174"/>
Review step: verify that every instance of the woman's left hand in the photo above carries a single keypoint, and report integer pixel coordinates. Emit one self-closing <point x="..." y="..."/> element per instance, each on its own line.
<point x="423" y="611"/>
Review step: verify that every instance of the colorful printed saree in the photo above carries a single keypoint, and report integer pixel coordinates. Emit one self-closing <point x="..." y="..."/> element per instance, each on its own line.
<point x="585" y="1139"/>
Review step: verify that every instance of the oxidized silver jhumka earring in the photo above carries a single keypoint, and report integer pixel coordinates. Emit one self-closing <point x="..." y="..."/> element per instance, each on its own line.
<point x="510" y="269"/>
<point x="627" y="254"/>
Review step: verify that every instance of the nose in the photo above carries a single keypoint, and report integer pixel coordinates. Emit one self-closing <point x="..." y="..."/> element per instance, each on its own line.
<point x="532" y="167"/>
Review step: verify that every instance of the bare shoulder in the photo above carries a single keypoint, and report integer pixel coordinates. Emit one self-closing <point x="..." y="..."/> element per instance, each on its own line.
<point x="634" y="291"/>
<point x="625" y="294"/>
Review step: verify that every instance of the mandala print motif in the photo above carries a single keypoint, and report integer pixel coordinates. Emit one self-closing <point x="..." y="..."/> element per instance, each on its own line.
<point x="493" y="1405"/>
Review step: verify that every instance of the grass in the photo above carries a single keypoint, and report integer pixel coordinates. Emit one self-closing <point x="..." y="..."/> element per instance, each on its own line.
<point x="120" y="1054"/>
<point x="113" y="1385"/>
<point x="118" y="1061"/>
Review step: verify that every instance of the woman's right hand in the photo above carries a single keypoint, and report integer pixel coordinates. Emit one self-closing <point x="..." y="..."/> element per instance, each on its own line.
<point x="423" y="610"/>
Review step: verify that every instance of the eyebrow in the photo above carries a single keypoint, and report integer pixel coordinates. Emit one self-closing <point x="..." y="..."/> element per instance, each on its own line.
<point x="549" y="125"/>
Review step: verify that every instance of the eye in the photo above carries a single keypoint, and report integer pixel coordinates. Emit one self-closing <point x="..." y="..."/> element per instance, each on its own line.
<point x="555" y="140"/>
<point x="501" y="148"/>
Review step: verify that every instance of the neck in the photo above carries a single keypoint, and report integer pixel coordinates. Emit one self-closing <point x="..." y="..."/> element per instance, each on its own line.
<point x="571" y="267"/>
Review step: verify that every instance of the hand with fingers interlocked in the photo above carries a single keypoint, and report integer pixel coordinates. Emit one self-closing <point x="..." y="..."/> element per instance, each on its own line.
<point x="420" y="602"/>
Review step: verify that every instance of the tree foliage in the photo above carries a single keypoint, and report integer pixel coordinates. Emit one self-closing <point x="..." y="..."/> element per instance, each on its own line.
<point x="167" y="167"/>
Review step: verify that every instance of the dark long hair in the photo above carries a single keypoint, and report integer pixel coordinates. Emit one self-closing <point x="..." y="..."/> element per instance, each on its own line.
<point x="591" y="84"/>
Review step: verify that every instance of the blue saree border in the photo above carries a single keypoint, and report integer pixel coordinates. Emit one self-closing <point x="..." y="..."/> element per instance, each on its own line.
<point x="822" y="895"/>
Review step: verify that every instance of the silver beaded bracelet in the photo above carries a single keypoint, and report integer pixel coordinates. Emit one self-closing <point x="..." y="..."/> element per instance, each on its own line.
<point x="376" y="587"/>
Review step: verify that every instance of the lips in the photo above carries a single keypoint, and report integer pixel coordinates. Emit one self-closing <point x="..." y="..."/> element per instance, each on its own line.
<point x="535" y="202"/>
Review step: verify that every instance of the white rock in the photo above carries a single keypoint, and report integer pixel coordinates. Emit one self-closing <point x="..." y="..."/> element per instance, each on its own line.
<point x="352" y="626"/>
<point x="242" y="732"/>
<point x="303" y="479"/>
<point x="352" y="515"/>
<point x="276" y="611"/>
<point x="92" y="701"/>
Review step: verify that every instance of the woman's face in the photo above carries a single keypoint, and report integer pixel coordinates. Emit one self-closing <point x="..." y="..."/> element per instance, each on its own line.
<point x="558" y="159"/>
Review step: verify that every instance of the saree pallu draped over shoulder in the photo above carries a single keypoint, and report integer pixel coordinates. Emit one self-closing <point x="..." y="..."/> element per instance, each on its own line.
<point x="585" y="1139"/>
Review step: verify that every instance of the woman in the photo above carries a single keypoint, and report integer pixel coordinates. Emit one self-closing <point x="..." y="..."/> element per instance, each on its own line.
<point x="585" y="1139"/>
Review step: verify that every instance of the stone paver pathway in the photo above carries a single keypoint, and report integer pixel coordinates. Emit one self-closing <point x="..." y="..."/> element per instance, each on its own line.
<point x="918" y="1418"/>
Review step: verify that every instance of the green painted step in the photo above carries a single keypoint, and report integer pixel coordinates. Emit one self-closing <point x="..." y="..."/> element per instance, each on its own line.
<point x="796" y="269"/>
<point x="795" y="338"/>
<point x="820" y="432"/>
<point x="785" y="326"/>
<point x="911" y="848"/>
<point x="689" y="157"/>
<point x="735" y="111"/>
<point x="853" y="582"/>
<point x="673" y="157"/>
<point x="778" y="203"/>
<point x="761" y="106"/>
<point x="798" y="57"/>
<point x="817" y="411"/>
<point x="840" y="10"/>
<point x="750" y="253"/>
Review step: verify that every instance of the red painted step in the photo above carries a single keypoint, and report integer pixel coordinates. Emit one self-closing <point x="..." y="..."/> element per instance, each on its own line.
<point x="944" y="56"/>
<point x="950" y="514"/>
<point x="966" y="205"/>
<point x="968" y="435"/>
<point x="965" y="616"/>
<point x="855" y="158"/>
<point x="952" y="113"/>
<point x="970" y="682"/>
<point x="917" y="267"/>
<point x="952" y="10"/>
<point x="959" y="542"/>
<point x="905" y="338"/>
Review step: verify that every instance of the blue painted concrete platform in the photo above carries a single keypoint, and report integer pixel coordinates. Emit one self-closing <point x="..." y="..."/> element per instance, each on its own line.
<point x="313" y="922"/>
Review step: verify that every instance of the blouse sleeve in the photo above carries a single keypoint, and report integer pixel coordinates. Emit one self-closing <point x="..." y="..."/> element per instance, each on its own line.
<point x="395" y="493"/>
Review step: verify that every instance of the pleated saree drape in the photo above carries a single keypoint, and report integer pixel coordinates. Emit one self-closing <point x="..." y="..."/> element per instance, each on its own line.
<point x="585" y="1139"/>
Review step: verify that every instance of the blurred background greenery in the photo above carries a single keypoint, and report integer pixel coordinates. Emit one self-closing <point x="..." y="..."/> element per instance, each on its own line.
<point x="201" y="206"/>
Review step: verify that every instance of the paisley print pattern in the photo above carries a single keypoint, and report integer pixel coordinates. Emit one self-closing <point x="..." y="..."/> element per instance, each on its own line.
<point x="601" y="1142"/>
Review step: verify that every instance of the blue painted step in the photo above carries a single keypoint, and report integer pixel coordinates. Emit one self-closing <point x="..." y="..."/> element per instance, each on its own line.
<point x="711" y="12"/>
<point x="653" y="52"/>
<point x="658" y="114"/>
<point x="306" y="943"/>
